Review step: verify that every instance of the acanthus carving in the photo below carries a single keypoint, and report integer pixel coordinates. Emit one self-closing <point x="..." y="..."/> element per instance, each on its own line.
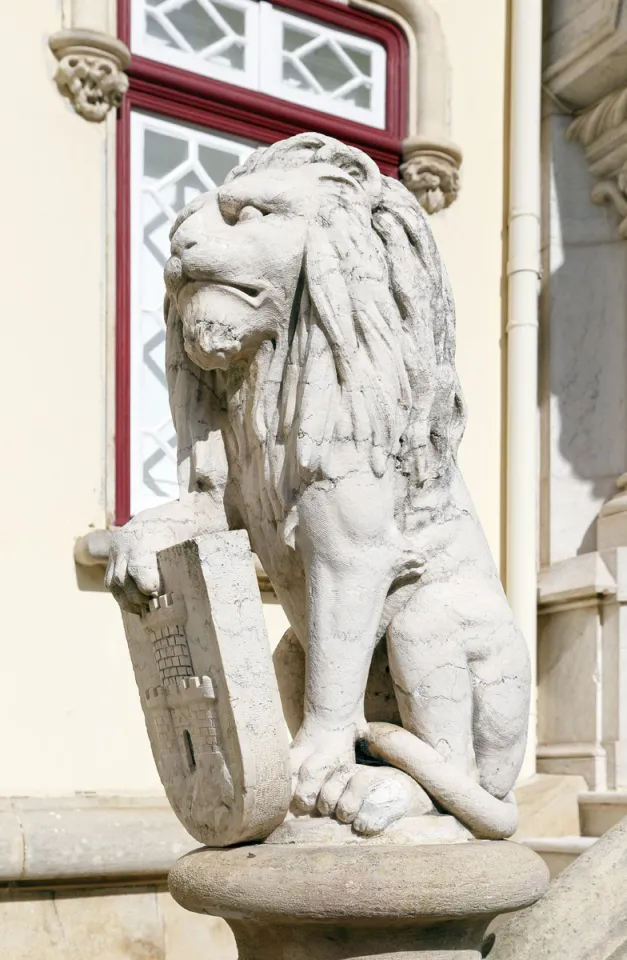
<point x="91" y="71"/>
<point x="602" y="131"/>
<point x="616" y="193"/>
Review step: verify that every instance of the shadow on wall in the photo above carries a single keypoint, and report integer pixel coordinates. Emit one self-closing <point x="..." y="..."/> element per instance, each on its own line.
<point x="585" y="451"/>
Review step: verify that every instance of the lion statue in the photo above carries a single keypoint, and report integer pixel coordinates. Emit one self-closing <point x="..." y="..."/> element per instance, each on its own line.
<point x="310" y="364"/>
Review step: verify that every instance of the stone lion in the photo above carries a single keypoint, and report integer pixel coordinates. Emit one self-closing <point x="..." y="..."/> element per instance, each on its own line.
<point x="310" y="364"/>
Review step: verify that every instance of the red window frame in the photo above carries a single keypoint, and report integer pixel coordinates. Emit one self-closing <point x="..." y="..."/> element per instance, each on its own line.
<point x="190" y="98"/>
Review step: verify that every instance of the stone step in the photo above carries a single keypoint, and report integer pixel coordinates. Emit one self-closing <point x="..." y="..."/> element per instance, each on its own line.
<point x="599" y="811"/>
<point x="558" y="852"/>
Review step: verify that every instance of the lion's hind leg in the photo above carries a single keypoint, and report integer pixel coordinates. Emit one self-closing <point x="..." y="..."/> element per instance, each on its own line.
<point x="461" y="675"/>
<point x="501" y="707"/>
<point x="429" y="668"/>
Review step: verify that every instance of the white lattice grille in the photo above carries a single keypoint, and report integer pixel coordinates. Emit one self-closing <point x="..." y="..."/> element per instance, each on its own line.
<point x="170" y="164"/>
<point x="323" y="68"/>
<point x="214" y="37"/>
<point x="263" y="47"/>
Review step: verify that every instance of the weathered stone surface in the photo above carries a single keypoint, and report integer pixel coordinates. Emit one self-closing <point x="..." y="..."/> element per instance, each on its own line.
<point x="582" y="917"/>
<point x="107" y="923"/>
<point x="75" y="838"/>
<point x="310" y="357"/>
<point x="71" y="926"/>
<point x="203" y="667"/>
<point x="353" y="901"/>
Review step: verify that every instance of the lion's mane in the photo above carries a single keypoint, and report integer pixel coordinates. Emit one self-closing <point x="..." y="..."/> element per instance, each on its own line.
<point x="371" y="356"/>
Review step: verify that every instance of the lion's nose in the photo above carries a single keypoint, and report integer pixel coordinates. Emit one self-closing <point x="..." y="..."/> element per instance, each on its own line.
<point x="181" y="241"/>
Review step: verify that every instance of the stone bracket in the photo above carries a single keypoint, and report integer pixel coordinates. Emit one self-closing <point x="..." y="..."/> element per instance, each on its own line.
<point x="431" y="172"/>
<point x="91" y="71"/>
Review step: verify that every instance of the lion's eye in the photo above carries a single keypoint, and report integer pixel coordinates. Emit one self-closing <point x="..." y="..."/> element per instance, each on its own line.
<point x="249" y="213"/>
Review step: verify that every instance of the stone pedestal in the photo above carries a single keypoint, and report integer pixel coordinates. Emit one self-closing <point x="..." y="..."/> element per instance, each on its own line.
<point x="360" y="901"/>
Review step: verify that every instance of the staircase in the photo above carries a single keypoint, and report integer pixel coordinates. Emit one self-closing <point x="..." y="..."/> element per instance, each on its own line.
<point x="560" y="818"/>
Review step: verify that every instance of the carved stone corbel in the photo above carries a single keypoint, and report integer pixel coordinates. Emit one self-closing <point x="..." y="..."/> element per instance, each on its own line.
<point x="431" y="172"/>
<point x="91" y="71"/>
<point x="602" y="131"/>
<point x="431" y="163"/>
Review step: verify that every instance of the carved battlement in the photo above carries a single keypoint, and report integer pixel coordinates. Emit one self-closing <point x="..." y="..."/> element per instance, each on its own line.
<point x="163" y="611"/>
<point x="184" y="689"/>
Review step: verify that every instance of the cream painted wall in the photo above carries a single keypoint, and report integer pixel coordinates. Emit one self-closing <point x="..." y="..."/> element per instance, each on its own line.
<point x="470" y="236"/>
<point x="69" y="714"/>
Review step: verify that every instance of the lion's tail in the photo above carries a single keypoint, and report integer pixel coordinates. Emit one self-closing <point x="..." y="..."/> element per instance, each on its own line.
<point x="487" y="817"/>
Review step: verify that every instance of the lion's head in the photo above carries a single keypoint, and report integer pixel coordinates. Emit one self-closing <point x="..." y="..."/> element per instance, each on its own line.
<point x="325" y="274"/>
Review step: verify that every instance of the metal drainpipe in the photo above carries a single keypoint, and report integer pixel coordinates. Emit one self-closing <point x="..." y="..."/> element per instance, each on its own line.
<point x="523" y="276"/>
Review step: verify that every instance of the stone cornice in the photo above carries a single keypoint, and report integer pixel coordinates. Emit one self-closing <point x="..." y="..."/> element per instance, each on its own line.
<point x="585" y="50"/>
<point x="431" y="161"/>
<point x="91" y="70"/>
<point x="572" y="581"/>
<point x="45" y="841"/>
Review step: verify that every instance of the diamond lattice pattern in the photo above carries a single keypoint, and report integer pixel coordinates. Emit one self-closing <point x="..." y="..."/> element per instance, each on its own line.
<point x="266" y="48"/>
<point x="211" y="30"/>
<point x="323" y="66"/>
<point x="171" y="164"/>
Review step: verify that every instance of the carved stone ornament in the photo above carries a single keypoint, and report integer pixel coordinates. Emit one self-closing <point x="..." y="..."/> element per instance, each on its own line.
<point x="602" y="131"/>
<point x="347" y="422"/>
<point x="431" y="172"/>
<point x="91" y="71"/>
<point x="310" y="348"/>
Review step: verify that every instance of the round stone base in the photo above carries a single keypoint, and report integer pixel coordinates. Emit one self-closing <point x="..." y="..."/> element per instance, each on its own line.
<point x="287" y="902"/>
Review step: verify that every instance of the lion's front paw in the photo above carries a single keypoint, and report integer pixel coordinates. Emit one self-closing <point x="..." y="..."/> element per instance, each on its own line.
<point x="314" y="760"/>
<point x="371" y="798"/>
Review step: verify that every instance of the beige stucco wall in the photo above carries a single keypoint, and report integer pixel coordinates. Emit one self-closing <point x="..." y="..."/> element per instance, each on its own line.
<point x="69" y="713"/>
<point x="470" y="235"/>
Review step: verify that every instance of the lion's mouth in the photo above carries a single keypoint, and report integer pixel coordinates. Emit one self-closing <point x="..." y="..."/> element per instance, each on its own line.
<point x="251" y="293"/>
<point x="180" y="277"/>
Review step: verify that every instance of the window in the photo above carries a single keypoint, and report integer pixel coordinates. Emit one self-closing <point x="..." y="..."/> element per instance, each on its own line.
<point x="218" y="38"/>
<point x="209" y="81"/>
<point x="170" y="164"/>
<point x="263" y="47"/>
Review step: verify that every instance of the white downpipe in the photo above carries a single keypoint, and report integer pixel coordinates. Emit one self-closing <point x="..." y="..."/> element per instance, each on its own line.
<point x="523" y="275"/>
